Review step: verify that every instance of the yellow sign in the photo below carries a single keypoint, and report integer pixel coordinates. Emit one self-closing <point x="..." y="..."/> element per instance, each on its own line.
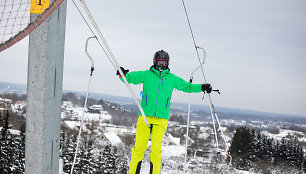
<point x="39" y="6"/>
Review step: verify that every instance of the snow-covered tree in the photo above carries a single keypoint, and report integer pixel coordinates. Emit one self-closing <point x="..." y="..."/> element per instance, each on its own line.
<point x="2" y="145"/>
<point x="12" y="149"/>
<point x="304" y="164"/>
<point x="5" y="125"/>
<point x="265" y="151"/>
<point x="1" y="125"/>
<point x="67" y="151"/>
<point x="100" y="162"/>
<point x="86" y="157"/>
<point x="122" y="166"/>
<point x="20" y="151"/>
<point x="276" y="153"/>
<point x="283" y="149"/>
<point x="109" y="157"/>
<point x="241" y="147"/>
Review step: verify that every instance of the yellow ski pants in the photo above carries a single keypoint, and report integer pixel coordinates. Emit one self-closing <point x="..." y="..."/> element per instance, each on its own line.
<point x="143" y="132"/>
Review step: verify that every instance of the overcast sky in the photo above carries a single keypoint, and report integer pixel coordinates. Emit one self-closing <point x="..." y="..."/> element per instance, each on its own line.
<point x="256" y="50"/>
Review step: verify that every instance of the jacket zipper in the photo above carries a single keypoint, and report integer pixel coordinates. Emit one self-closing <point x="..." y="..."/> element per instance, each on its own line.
<point x="167" y="102"/>
<point x="157" y="94"/>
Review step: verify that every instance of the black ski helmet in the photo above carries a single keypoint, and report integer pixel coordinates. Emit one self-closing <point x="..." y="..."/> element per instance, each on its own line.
<point x="161" y="55"/>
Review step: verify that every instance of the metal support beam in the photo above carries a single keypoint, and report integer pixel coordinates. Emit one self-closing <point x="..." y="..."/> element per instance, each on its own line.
<point x="44" y="94"/>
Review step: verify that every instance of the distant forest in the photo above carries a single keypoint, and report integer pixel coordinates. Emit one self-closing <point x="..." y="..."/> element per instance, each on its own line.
<point x="251" y="149"/>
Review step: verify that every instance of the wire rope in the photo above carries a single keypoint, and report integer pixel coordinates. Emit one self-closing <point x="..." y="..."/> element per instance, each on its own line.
<point x="115" y="65"/>
<point x="189" y="110"/>
<point x="85" y="103"/>
<point x="93" y="33"/>
<point x="193" y="38"/>
<point x="212" y="108"/>
<point x="110" y="56"/>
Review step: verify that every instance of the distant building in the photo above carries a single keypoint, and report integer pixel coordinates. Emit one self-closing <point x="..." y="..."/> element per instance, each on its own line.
<point x="5" y="100"/>
<point x="19" y="105"/>
<point x="118" y="130"/>
<point x="4" y="104"/>
<point x="67" y="104"/>
<point x="13" y="132"/>
<point x="74" y="125"/>
<point x="200" y="154"/>
<point x="170" y="140"/>
<point x="111" y="138"/>
<point x="95" y="109"/>
<point x="71" y="125"/>
<point x="224" y="129"/>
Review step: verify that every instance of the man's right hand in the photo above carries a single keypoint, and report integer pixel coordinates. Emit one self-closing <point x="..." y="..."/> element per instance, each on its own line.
<point x="125" y="71"/>
<point x="206" y="88"/>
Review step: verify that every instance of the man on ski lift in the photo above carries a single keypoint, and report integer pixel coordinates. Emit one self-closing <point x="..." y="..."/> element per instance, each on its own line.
<point x="158" y="84"/>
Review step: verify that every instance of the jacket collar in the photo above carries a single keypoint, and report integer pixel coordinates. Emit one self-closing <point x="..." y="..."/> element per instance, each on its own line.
<point x="158" y="73"/>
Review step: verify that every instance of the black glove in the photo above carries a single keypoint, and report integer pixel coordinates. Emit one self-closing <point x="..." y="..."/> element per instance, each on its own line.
<point x="206" y="88"/>
<point x="125" y="71"/>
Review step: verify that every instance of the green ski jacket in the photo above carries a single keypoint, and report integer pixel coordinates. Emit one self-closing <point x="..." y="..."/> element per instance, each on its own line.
<point x="157" y="90"/>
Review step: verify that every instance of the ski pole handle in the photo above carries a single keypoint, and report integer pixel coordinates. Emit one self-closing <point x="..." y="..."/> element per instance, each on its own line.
<point x="216" y="90"/>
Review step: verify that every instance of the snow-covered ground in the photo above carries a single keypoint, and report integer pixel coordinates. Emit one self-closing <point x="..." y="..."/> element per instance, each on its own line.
<point x="173" y="150"/>
<point x="219" y="168"/>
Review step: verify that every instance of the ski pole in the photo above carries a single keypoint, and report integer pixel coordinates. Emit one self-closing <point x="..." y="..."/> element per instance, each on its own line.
<point x="114" y="61"/>
<point x="82" y="118"/>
